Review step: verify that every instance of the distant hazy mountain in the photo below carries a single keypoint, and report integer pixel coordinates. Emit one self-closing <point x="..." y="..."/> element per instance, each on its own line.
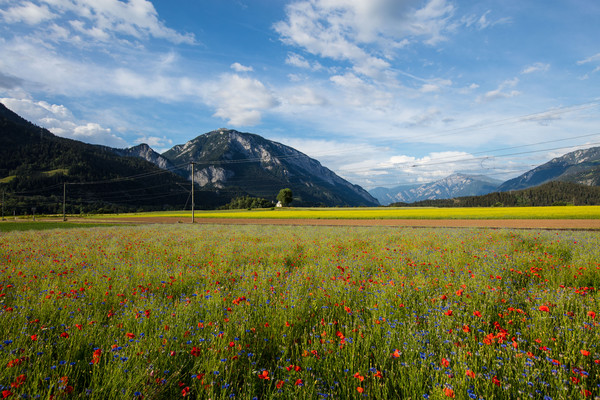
<point x="230" y="160"/>
<point x="580" y="166"/>
<point x="455" y="185"/>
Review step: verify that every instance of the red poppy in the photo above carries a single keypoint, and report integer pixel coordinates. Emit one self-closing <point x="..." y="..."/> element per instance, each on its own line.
<point x="299" y="382"/>
<point x="195" y="351"/>
<point x="445" y="363"/>
<point x="544" y="308"/>
<point x="279" y="384"/>
<point x="585" y="352"/>
<point x="264" y="375"/>
<point x="448" y="313"/>
<point x="96" y="356"/>
<point x="360" y="390"/>
<point x="470" y="374"/>
<point x="130" y="335"/>
<point x="449" y="392"/>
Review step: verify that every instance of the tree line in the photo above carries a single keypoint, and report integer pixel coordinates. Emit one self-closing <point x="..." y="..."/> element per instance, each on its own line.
<point x="548" y="194"/>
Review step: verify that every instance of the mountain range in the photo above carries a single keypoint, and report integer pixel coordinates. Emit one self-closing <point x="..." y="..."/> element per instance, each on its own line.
<point x="224" y="164"/>
<point x="35" y="165"/>
<point x="455" y="185"/>
<point x="579" y="167"/>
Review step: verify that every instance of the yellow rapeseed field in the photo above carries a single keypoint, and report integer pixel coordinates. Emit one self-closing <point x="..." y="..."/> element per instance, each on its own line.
<point x="557" y="212"/>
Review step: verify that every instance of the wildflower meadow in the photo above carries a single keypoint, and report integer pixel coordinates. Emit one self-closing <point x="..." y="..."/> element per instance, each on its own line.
<point x="257" y="312"/>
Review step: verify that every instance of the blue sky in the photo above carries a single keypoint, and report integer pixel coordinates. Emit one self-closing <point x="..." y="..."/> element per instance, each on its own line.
<point x="383" y="92"/>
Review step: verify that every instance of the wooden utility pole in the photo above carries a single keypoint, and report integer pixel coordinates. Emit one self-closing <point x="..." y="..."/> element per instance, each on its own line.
<point x="192" y="192"/>
<point x="64" y="201"/>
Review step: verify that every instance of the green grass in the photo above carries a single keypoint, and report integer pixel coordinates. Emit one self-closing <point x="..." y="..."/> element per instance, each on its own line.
<point x="61" y="171"/>
<point x="9" y="226"/>
<point x="160" y="311"/>
<point x="556" y="212"/>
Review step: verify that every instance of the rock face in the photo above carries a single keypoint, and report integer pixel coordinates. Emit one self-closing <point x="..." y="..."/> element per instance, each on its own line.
<point x="228" y="160"/>
<point x="144" y="151"/>
<point x="580" y="166"/>
<point x="455" y="185"/>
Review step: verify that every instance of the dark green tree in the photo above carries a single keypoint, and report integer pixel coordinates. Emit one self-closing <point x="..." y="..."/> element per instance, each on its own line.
<point x="285" y="196"/>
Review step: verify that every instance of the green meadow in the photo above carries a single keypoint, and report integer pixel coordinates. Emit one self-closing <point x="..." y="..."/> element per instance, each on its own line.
<point x="257" y="312"/>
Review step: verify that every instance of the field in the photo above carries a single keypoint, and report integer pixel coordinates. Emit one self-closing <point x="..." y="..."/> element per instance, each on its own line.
<point x="213" y="311"/>
<point x="555" y="212"/>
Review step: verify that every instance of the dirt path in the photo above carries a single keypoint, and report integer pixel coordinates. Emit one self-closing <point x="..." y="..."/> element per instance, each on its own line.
<point x="479" y="223"/>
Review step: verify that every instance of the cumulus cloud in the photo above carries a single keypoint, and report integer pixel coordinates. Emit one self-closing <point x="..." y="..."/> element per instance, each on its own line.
<point x="342" y="29"/>
<point x="240" y="68"/>
<point x="298" y="61"/>
<point x="34" y="66"/>
<point x="155" y="142"/>
<point x="27" y="12"/>
<point x="59" y="120"/>
<point x="241" y="100"/>
<point x="99" y="20"/>
<point x="432" y="166"/>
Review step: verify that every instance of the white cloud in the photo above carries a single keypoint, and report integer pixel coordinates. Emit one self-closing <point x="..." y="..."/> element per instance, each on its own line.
<point x="99" y="20"/>
<point x="433" y="166"/>
<point x="28" y="12"/>
<point x="240" y="68"/>
<point x="435" y="85"/>
<point x="483" y="22"/>
<point x="60" y="121"/>
<point x="343" y="29"/>
<point x="305" y="96"/>
<point x="38" y="67"/>
<point x="297" y="61"/>
<point x="157" y="143"/>
<point x="240" y="100"/>
<point x="468" y="89"/>
<point x="536" y="67"/>
<point x="500" y="92"/>
<point x="360" y="93"/>
<point x="595" y="57"/>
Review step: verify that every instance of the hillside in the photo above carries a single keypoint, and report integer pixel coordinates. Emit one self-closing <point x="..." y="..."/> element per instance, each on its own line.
<point x="34" y="164"/>
<point x="230" y="160"/>
<point x="551" y="193"/>
<point x="580" y="166"/>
